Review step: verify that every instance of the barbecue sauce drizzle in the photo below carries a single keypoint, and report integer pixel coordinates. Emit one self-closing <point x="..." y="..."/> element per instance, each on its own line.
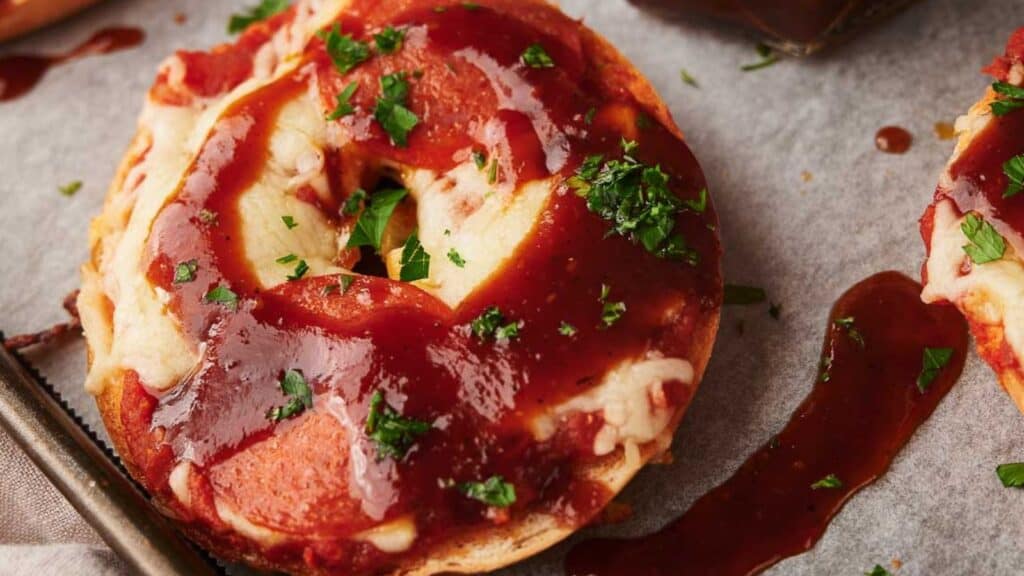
<point x="391" y="336"/>
<point x="19" y="73"/>
<point x="852" y="425"/>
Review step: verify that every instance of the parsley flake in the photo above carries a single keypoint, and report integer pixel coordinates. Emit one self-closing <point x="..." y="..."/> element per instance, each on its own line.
<point x="393" y="434"/>
<point x="289" y="222"/>
<point x="300" y="396"/>
<point x="300" y="270"/>
<point x="536" y="57"/>
<point x="1011" y="475"/>
<point x="480" y="159"/>
<point x="471" y="6"/>
<point x="567" y="330"/>
<point x="265" y="9"/>
<point x="493" y="492"/>
<point x="768" y="57"/>
<point x="1013" y="98"/>
<point x="456" y="258"/>
<point x="369" y="228"/>
<point x="986" y="244"/>
<point x="878" y="571"/>
<point x="588" y="118"/>
<point x="825" y="366"/>
<point x="935" y="359"/>
<point x="222" y="295"/>
<point x="185" y="272"/>
<point x="415" y="260"/>
<point x="492" y="172"/>
<point x="287" y="259"/>
<point x="831" y="481"/>
<point x="344" y="108"/>
<point x="1014" y="170"/>
<point x="848" y="323"/>
<point x="208" y="217"/>
<point x="391" y="113"/>
<point x="737" y="295"/>
<point x="699" y="204"/>
<point x="345" y="52"/>
<point x="688" y="79"/>
<point x="389" y="40"/>
<point x="637" y="201"/>
<point x="493" y="324"/>
<point x="71" y="188"/>
<point x="354" y="202"/>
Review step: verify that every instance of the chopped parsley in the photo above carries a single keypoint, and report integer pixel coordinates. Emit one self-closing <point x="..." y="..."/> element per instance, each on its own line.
<point x="1013" y="98"/>
<point x="494" y="492"/>
<point x="738" y="295"/>
<point x="935" y="359"/>
<point x="344" y="283"/>
<point x="567" y="330"/>
<point x="369" y="228"/>
<point x="71" y="188"/>
<point x="480" y="159"/>
<point x="493" y="324"/>
<point x="849" y="324"/>
<point x="300" y="397"/>
<point x="222" y="295"/>
<point x="768" y="57"/>
<point x="636" y="199"/>
<point x="185" y="272"/>
<point x="391" y="113"/>
<point x="300" y="270"/>
<point x="611" y="312"/>
<point x="643" y="121"/>
<point x="393" y="434"/>
<point x="825" y="365"/>
<point x="588" y="118"/>
<point x="456" y="258"/>
<point x="1014" y="170"/>
<point x="1011" y="475"/>
<point x="831" y="481"/>
<point x="536" y="57"/>
<point x="878" y="571"/>
<point x="492" y="172"/>
<point x="208" y="217"/>
<point x="415" y="260"/>
<point x="471" y="6"/>
<point x="345" y="52"/>
<point x="389" y="40"/>
<point x="354" y="202"/>
<point x="699" y="204"/>
<point x="289" y="222"/>
<point x="265" y="9"/>
<point x="688" y="79"/>
<point x="287" y="259"/>
<point x="344" y="107"/>
<point x="986" y="244"/>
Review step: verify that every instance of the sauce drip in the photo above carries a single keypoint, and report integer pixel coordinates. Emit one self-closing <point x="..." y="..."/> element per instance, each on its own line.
<point x="893" y="140"/>
<point x="852" y="425"/>
<point x="19" y="73"/>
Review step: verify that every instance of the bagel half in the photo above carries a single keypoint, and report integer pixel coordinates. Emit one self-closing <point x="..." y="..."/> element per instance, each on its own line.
<point x="21" y="16"/>
<point x="987" y="289"/>
<point x="182" y="381"/>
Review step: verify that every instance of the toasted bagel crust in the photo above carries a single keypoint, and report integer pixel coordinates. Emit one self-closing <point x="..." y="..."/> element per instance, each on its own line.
<point x="475" y="551"/>
<point x="21" y="16"/>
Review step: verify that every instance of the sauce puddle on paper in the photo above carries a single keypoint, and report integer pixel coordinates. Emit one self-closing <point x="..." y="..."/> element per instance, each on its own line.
<point x="19" y="73"/>
<point x="862" y="410"/>
<point x="893" y="140"/>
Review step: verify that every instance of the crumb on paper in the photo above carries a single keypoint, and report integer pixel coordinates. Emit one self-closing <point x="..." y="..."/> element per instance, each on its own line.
<point x="944" y="131"/>
<point x="806" y="176"/>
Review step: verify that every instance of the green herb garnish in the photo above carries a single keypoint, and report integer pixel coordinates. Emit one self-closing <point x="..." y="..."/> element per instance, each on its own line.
<point x="849" y="325"/>
<point x="456" y="258"/>
<point x="986" y="244"/>
<point x="1013" y="98"/>
<point x="344" y="108"/>
<point x="185" y="272"/>
<point x="768" y="57"/>
<point x="354" y="202"/>
<point x="393" y="434"/>
<point x="494" y="492"/>
<point x="415" y="260"/>
<point x="287" y="259"/>
<point x="636" y="199"/>
<point x="567" y="330"/>
<point x="369" y="228"/>
<point x="611" y="312"/>
<point x="300" y="397"/>
<point x="878" y="571"/>
<point x="831" y="481"/>
<point x="688" y="79"/>
<point x="265" y="9"/>
<point x="935" y="359"/>
<point x="588" y="118"/>
<point x="493" y="324"/>
<point x="480" y="159"/>
<point x="345" y="52"/>
<point x="71" y="188"/>
<point x="300" y="270"/>
<point x="289" y="222"/>
<point x="222" y="295"/>
<point x="391" y="113"/>
<point x="1011" y="475"/>
<point x="738" y="295"/>
<point x="536" y="57"/>
<point x="1014" y="170"/>
<point x="389" y="40"/>
<point x="208" y="217"/>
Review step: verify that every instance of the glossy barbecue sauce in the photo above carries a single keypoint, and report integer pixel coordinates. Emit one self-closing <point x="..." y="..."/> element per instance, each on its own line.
<point x="467" y="82"/>
<point x="864" y="406"/>
<point x="19" y="73"/>
<point x="893" y="140"/>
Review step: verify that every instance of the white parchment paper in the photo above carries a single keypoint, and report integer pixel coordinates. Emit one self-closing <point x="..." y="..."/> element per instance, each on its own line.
<point x="940" y="510"/>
